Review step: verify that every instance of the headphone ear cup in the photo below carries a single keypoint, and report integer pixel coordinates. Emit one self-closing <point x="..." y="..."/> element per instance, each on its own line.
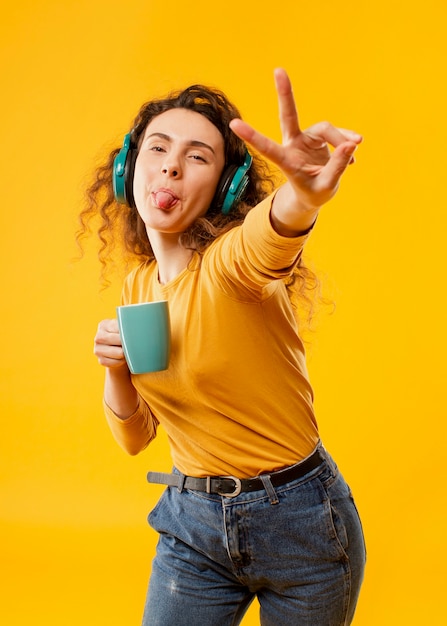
<point x="129" y="176"/>
<point x="231" y="186"/>
<point x="123" y="173"/>
<point x="223" y="186"/>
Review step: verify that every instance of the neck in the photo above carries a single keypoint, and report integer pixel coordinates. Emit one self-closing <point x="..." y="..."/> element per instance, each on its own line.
<point x="171" y="257"/>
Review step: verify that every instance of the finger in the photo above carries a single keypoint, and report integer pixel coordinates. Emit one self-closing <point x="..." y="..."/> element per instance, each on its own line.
<point x="112" y="353"/>
<point x="111" y="363"/>
<point x="108" y="339"/>
<point x="109" y="325"/>
<point x="265" y="146"/>
<point x="340" y="159"/>
<point x="324" y="132"/>
<point x="108" y="333"/>
<point x="351" y="135"/>
<point x="109" y="356"/>
<point x="288" y="115"/>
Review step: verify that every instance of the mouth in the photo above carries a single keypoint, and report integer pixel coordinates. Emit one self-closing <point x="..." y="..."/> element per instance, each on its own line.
<point x="164" y="199"/>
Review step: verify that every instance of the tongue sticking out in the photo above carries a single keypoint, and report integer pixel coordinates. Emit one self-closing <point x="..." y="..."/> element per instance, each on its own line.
<point x="164" y="199"/>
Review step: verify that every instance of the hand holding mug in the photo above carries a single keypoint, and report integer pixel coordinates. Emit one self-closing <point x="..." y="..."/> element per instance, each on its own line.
<point x="107" y="344"/>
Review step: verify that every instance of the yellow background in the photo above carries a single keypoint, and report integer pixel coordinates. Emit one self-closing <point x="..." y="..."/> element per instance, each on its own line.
<point x="75" y="547"/>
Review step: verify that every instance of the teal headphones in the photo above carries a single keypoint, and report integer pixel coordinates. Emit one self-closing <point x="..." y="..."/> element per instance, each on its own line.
<point x="230" y="188"/>
<point x="123" y="171"/>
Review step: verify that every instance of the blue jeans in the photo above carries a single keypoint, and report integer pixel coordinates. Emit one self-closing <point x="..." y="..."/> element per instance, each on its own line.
<point x="298" y="548"/>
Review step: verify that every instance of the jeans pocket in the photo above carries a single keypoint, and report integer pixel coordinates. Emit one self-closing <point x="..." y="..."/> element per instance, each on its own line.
<point x="335" y="504"/>
<point x="154" y="513"/>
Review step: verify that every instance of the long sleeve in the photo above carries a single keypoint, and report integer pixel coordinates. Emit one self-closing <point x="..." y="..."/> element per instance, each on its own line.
<point x="136" y="432"/>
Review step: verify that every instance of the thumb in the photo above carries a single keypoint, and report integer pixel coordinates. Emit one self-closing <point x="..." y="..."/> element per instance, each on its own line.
<point x="342" y="156"/>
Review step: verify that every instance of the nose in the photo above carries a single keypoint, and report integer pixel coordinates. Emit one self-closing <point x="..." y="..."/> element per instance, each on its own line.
<point x="171" y="166"/>
<point x="170" y="171"/>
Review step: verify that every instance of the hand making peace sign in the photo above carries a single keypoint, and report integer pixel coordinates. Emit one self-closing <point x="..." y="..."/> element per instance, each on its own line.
<point x="313" y="172"/>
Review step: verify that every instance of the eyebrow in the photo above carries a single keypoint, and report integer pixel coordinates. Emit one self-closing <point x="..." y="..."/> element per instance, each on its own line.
<point x="193" y="142"/>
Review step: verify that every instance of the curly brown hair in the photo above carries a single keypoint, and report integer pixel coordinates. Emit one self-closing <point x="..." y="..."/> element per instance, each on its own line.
<point x="120" y="226"/>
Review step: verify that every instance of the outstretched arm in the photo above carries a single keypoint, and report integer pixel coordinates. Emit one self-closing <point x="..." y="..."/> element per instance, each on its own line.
<point x="313" y="172"/>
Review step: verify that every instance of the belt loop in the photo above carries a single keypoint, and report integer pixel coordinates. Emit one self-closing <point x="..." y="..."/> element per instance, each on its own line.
<point x="181" y="482"/>
<point x="269" y="488"/>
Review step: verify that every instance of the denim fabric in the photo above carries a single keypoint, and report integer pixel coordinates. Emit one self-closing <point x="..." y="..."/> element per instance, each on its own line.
<point x="299" y="549"/>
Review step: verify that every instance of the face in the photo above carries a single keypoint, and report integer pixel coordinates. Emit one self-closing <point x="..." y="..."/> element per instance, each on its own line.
<point x="177" y="170"/>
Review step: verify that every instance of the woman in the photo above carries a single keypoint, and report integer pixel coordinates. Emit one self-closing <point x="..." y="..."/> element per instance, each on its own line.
<point x="254" y="506"/>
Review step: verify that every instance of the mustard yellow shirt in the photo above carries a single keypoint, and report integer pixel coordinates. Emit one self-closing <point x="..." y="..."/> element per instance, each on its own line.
<point x="236" y="399"/>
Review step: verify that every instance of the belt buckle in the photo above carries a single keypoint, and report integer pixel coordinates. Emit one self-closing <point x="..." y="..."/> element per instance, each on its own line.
<point x="237" y="488"/>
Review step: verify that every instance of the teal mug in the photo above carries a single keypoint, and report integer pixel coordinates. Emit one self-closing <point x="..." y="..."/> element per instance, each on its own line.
<point x="145" y="335"/>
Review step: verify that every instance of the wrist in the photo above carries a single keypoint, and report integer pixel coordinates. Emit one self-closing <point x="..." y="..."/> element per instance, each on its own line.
<point x="289" y="216"/>
<point x="119" y="393"/>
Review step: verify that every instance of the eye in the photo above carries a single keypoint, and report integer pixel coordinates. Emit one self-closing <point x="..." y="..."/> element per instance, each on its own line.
<point x="198" y="157"/>
<point x="156" y="148"/>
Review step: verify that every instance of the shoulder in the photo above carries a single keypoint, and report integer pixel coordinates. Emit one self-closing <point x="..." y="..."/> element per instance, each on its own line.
<point x="137" y="282"/>
<point x="140" y="271"/>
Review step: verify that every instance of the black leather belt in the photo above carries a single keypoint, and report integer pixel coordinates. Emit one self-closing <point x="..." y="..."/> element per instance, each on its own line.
<point x="230" y="486"/>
